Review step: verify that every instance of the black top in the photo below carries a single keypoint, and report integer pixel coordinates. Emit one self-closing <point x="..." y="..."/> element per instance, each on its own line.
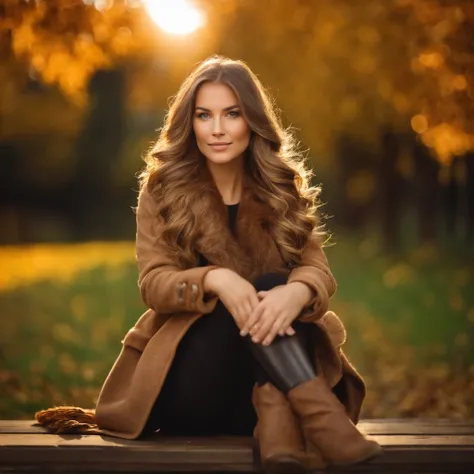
<point x="232" y="210"/>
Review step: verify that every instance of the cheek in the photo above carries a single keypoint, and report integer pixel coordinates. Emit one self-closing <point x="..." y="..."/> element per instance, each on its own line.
<point x="241" y="131"/>
<point x="199" y="130"/>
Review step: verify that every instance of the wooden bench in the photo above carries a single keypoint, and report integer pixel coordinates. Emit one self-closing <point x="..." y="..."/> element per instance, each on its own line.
<point x="411" y="446"/>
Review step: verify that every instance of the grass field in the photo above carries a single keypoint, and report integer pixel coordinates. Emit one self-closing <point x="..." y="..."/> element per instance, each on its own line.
<point x="65" y="308"/>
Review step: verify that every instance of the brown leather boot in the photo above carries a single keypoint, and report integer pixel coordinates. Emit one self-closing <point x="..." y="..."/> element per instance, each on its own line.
<point x="326" y="424"/>
<point x="282" y="449"/>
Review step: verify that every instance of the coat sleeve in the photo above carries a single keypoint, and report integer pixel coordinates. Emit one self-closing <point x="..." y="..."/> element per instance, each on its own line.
<point x="164" y="286"/>
<point x="314" y="271"/>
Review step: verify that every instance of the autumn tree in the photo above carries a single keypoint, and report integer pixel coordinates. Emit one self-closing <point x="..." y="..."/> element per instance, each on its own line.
<point x="338" y="68"/>
<point x="358" y="69"/>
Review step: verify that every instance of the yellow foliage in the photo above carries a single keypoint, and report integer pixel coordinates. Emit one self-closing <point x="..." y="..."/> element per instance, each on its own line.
<point x="419" y="123"/>
<point x="462" y="339"/>
<point x="431" y="60"/>
<point x="24" y="265"/>
<point x="354" y="65"/>
<point x="427" y="253"/>
<point x="94" y="40"/>
<point x="447" y="141"/>
<point x="402" y="384"/>
<point x="399" y="274"/>
<point x="63" y="332"/>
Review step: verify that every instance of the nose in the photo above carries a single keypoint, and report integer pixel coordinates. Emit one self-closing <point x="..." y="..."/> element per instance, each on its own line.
<point x="217" y="128"/>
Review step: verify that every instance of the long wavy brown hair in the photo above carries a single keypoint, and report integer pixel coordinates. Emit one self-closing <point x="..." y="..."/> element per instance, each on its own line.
<point x="274" y="164"/>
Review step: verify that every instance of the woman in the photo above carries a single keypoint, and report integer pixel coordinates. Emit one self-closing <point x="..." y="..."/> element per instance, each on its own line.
<point x="238" y="339"/>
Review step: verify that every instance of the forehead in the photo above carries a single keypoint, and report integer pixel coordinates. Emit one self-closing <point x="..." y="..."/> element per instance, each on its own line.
<point x="215" y="95"/>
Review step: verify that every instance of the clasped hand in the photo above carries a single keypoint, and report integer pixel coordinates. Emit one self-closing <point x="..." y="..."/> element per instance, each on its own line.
<point x="263" y="315"/>
<point x="273" y="315"/>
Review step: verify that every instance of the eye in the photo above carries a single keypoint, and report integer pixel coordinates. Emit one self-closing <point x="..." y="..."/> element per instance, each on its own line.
<point x="234" y="113"/>
<point x="203" y="116"/>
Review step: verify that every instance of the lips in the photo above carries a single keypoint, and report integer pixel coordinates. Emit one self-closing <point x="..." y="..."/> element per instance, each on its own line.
<point x="219" y="146"/>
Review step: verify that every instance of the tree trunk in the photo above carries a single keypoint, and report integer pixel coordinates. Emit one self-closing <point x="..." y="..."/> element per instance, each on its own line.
<point x="97" y="151"/>
<point x="427" y="194"/>
<point x="451" y="203"/>
<point x="388" y="196"/>
<point x="470" y="197"/>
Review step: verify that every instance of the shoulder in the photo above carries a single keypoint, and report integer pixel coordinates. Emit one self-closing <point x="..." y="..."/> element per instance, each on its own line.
<point x="147" y="213"/>
<point x="146" y="200"/>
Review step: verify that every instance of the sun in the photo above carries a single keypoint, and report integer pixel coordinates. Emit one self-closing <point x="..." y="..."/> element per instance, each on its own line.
<point x="177" y="17"/>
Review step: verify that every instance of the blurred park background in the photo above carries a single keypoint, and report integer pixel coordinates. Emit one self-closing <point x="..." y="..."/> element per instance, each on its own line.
<point x="380" y="91"/>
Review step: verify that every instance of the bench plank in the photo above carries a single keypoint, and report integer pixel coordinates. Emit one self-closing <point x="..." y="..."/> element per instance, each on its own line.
<point x="151" y="442"/>
<point x="415" y="429"/>
<point x="373" y="426"/>
<point x="411" y="446"/>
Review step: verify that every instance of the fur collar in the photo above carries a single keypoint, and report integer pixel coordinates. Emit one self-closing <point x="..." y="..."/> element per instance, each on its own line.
<point x="252" y="251"/>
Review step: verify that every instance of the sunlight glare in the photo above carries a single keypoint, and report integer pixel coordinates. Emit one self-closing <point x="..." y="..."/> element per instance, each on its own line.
<point x="174" y="16"/>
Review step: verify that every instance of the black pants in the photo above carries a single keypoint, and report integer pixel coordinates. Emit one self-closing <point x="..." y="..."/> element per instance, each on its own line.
<point x="208" y="388"/>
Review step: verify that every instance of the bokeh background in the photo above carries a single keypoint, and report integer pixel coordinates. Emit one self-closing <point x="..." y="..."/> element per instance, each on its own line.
<point x="380" y="92"/>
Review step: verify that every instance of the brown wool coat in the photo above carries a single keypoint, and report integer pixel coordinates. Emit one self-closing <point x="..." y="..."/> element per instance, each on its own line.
<point x="176" y="299"/>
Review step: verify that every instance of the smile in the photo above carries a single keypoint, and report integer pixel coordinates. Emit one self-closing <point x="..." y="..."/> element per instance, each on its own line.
<point x="220" y="146"/>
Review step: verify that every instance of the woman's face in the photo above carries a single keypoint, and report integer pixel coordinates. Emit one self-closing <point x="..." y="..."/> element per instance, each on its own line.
<point x="222" y="134"/>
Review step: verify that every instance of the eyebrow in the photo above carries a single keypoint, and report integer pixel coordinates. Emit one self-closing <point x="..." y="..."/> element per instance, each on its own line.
<point x="226" y="109"/>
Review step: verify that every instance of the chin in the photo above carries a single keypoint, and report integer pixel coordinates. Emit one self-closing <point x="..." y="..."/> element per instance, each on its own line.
<point x="221" y="159"/>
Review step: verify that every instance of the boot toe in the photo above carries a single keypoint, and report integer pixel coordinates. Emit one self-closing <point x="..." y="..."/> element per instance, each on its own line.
<point x="283" y="464"/>
<point x="373" y="450"/>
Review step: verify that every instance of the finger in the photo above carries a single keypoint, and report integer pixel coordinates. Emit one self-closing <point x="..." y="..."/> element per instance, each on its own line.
<point x="272" y="333"/>
<point x="248" y="311"/>
<point x="237" y="320"/>
<point x="257" y="326"/>
<point x="240" y="318"/>
<point x="244" y="310"/>
<point x="255" y="322"/>
<point x="286" y="328"/>
<point x="254" y="301"/>
<point x="252" y="320"/>
<point x="289" y="331"/>
<point x="262" y="294"/>
<point x="268" y="329"/>
<point x="248" y="324"/>
<point x="266" y="322"/>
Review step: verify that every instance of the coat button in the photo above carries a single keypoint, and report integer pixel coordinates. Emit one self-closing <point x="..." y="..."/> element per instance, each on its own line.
<point x="180" y="287"/>
<point x="194" y="292"/>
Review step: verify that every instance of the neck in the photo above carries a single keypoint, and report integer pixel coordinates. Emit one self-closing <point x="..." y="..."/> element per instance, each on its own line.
<point x="229" y="179"/>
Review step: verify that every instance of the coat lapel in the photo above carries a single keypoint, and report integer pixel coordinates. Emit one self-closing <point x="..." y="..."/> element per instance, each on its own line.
<point x="251" y="251"/>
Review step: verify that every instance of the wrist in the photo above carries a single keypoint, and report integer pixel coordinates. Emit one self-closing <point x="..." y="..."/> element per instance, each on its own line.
<point x="212" y="279"/>
<point x="303" y="293"/>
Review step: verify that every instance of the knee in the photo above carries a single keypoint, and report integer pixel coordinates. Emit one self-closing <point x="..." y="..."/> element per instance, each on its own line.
<point x="267" y="281"/>
<point x="221" y="317"/>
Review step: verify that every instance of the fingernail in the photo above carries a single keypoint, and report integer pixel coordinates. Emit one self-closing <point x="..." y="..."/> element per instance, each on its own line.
<point x="255" y="339"/>
<point x="244" y="332"/>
